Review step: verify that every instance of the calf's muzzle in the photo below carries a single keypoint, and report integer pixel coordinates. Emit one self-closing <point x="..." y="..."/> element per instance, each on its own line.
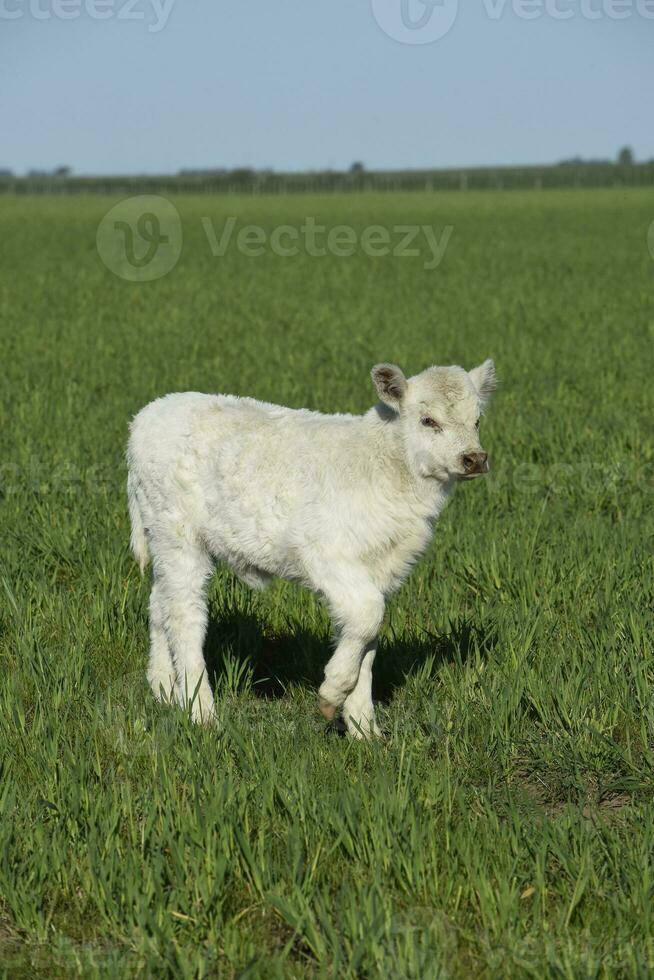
<point x="474" y="464"/>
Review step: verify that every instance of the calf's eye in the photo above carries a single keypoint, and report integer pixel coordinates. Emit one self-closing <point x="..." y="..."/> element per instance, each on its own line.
<point x="430" y="423"/>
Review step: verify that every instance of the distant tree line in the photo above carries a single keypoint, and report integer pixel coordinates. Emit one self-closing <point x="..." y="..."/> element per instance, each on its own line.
<point x="574" y="172"/>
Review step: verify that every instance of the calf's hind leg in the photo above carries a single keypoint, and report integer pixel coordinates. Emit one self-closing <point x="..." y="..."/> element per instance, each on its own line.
<point x="184" y="575"/>
<point x="161" y="670"/>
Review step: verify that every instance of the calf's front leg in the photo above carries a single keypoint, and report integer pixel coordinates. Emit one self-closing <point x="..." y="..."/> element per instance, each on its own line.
<point x="358" y="709"/>
<point x="358" y="609"/>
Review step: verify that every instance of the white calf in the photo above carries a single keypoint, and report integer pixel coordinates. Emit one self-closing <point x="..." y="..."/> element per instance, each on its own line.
<point x="343" y="504"/>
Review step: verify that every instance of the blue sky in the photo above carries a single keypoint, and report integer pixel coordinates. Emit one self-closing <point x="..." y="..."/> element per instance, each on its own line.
<point x="295" y="84"/>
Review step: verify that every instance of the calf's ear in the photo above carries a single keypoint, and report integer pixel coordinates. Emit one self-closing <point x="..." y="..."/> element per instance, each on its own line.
<point x="390" y="383"/>
<point x="485" y="381"/>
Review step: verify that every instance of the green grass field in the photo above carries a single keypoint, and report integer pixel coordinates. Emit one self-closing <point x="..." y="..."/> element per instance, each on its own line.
<point x="506" y="825"/>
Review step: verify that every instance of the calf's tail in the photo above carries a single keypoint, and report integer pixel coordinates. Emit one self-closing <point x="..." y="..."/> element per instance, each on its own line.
<point x="138" y="539"/>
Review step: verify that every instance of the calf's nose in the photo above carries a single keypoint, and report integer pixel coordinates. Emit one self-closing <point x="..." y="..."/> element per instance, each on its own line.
<point x="475" y="462"/>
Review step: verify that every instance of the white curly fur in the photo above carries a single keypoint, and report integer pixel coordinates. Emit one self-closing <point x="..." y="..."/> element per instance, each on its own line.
<point x="343" y="504"/>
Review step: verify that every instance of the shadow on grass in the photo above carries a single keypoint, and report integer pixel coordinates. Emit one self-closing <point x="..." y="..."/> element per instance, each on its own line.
<point x="298" y="656"/>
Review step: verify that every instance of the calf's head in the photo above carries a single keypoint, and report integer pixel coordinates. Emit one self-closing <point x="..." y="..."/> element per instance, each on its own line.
<point x="438" y="414"/>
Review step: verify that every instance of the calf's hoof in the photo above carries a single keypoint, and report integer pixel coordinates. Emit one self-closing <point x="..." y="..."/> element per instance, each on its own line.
<point x="364" y="730"/>
<point x="203" y="710"/>
<point x="327" y="710"/>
